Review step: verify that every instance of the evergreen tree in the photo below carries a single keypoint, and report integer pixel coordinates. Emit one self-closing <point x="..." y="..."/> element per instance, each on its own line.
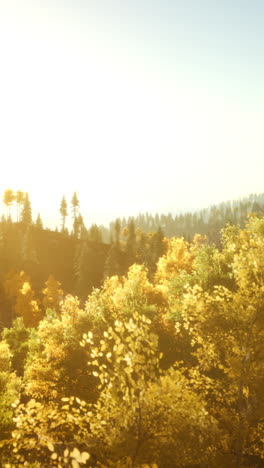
<point x="94" y="234"/>
<point x="75" y="205"/>
<point x="113" y="262"/>
<point x="19" y="197"/>
<point x="28" y="250"/>
<point x="79" y="228"/>
<point x="63" y="212"/>
<point x="131" y="242"/>
<point x="26" y="212"/>
<point x="39" y="223"/>
<point x="117" y="232"/>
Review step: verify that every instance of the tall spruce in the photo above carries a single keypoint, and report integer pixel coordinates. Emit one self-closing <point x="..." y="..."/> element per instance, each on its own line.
<point x="63" y="212"/>
<point x="26" y="211"/>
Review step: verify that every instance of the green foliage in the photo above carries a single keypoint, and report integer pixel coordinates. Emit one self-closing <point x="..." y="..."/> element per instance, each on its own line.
<point x="56" y="365"/>
<point x="9" y="390"/>
<point x="17" y="338"/>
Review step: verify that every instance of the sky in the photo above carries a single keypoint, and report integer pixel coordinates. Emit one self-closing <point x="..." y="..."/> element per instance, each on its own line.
<point x="136" y="105"/>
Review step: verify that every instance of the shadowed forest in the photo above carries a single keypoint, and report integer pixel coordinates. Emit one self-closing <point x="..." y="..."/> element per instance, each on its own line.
<point x="134" y="346"/>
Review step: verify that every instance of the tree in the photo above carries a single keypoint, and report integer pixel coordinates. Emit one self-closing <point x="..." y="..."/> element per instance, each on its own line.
<point x="94" y="233"/>
<point x="75" y="205"/>
<point x="142" y="417"/>
<point x="28" y="248"/>
<point x="19" y="197"/>
<point x="131" y="242"/>
<point x="8" y="199"/>
<point x="79" y="228"/>
<point x="13" y="282"/>
<point x="39" y="223"/>
<point x="53" y="294"/>
<point x="27" y="306"/>
<point x="9" y="391"/>
<point x="113" y="262"/>
<point x="17" y="338"/>
<point x="56" y="364"/>
<point x="64" y="212"/>
<point x="26" y="212"/>
<point x="225" y="325"/>
<point x="117" y="229"/>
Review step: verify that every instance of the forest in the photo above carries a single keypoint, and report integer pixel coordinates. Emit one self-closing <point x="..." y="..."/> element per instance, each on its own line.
<point x="137" y="346"/>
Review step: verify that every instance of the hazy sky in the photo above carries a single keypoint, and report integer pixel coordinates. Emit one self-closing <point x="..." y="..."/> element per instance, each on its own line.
<point x="137" y="105"/>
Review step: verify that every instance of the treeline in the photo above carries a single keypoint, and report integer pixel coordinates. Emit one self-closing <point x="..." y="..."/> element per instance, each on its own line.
<point x="164" y="371"/>
<point x="79" y="261"/>
<point x="207" y="222"/>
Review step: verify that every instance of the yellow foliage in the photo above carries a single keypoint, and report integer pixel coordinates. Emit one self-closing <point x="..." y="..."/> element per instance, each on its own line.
<point x="179" y="258"/>
<point x="53" y="294"/>
<point x="26" y="306"/>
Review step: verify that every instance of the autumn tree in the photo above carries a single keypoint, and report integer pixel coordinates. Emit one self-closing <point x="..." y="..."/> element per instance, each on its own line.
<point x="56" y="364"/>
<point x="13" y="282"/>
<point x="9" y="391"/>
<point x="8" y="199"/>
<point x="53" y="294"/>
<point x="17" y="338"/>
<point x="143" y="417"/>
<point x="224" y="320"/>
<point x="27" y="306"/>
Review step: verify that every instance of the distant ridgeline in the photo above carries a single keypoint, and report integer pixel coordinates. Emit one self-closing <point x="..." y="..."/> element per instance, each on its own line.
<point x="208" y="221"/>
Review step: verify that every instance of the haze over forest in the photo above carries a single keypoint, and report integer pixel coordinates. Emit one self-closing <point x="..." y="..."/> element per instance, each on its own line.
<point x="131" y="234"/>
<point x="138" y="106"/>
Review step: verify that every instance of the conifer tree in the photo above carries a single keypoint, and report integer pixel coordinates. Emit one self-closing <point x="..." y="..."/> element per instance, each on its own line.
<point x="63" y="212"/>
<point x="39" y="223"/>
<point x="19" y="197"/>
<point x="26" y="212"/>
<point x="117" y="232"/>
<point x="79" y="228"/>
<point x="75" y="205"/>
<point x="131" y="242"/>
<point x="112" y="264"/>
<point x="94" y="233"/>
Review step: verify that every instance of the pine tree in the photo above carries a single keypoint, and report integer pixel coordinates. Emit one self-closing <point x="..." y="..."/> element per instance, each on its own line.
<point x="39" y="223"/>
<point x="75" y="205"/>
<point x="63" y="212"/>
<point x="26" y="212"/>
<point x="131" y="242"/>
<point x="112" y="264"/>
<point x="117" y="232"/>
<point x="19" y="197"/>
<point x="94" y="233"/>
